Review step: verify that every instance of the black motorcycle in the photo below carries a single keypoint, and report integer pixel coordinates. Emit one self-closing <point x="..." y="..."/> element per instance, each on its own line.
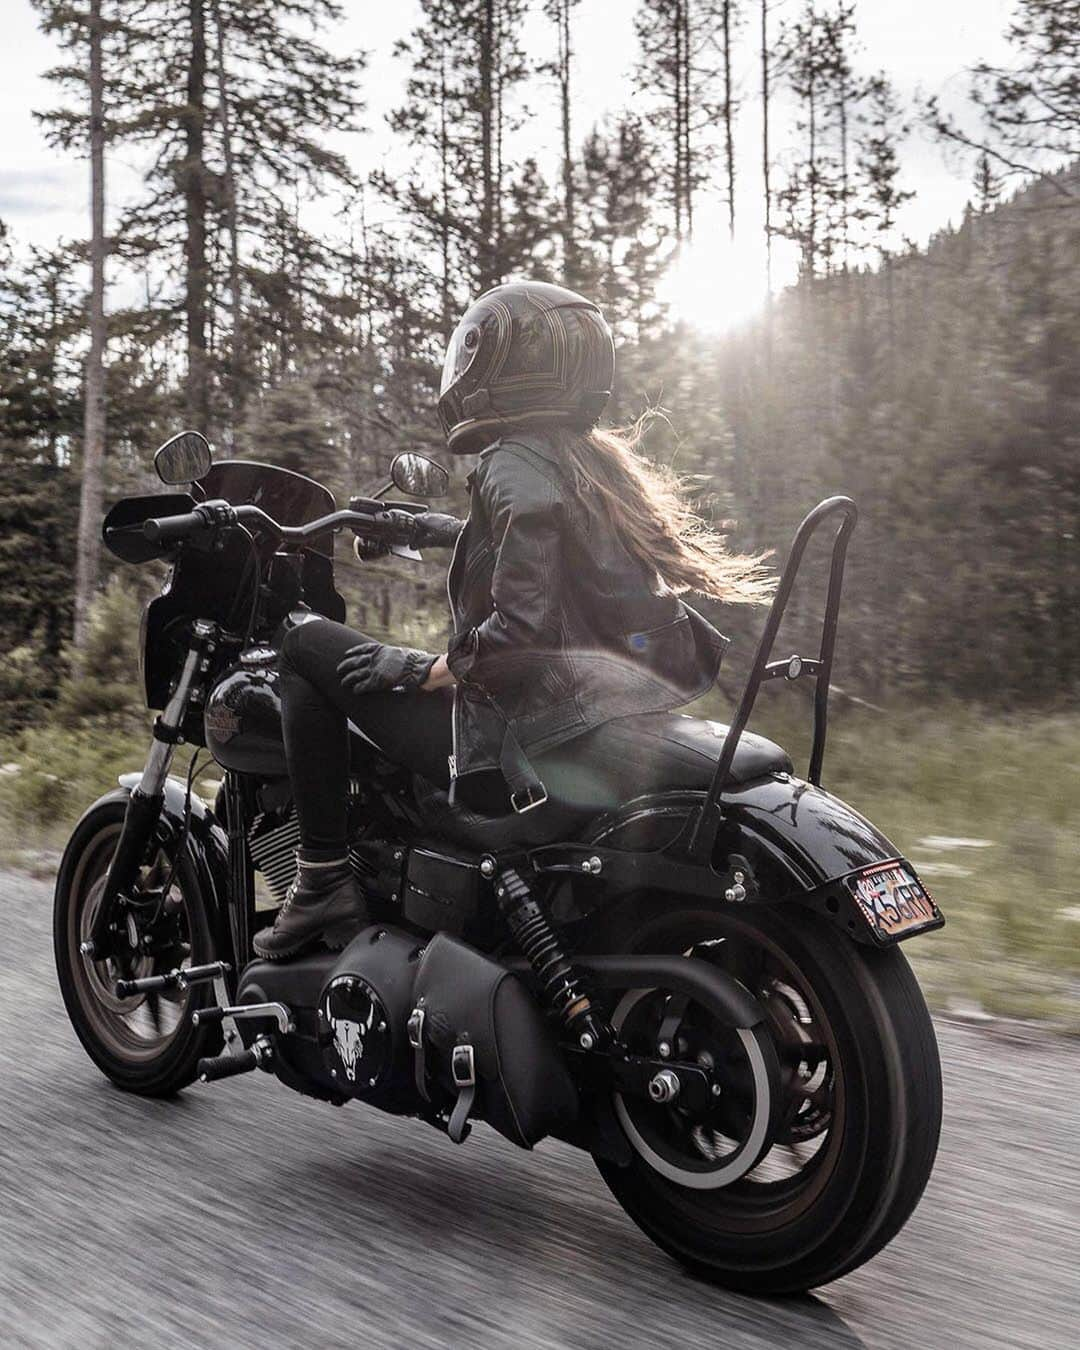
<point x="700" y="986"/>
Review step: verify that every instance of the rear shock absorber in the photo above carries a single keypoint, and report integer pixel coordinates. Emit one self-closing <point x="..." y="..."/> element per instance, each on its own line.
<point x="560" y="985"/>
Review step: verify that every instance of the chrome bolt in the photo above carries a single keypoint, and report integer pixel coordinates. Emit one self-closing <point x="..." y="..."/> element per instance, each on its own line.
<point x="715" y="1089"/>
<point x="664" y="1086"/>
<point x="740" y="877"/>
<point x="487" y="867"/>
<point x="382" y="1026"/>
<point x="586" y="1040"/>
<point x="592" y="865"/>
<point x="86" y="948"/>
<point x="397" y="855"/>
<point x="736" y="893"/>
<point x="665" y="1049"/>
<point x="371" y="1082"/>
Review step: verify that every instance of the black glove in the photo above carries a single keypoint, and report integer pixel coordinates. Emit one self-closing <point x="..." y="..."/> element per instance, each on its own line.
<point x="372" y="666"/>
<point x="367" y="550"/>
<point x="433" y="529"/>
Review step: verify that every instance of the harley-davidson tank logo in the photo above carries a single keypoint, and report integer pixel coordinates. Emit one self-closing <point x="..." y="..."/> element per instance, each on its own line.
<point x="221" y="721"/>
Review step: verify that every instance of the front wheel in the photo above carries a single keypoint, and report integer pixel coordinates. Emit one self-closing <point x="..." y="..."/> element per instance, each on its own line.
<point x="854" y="1135"/>
<point x="146" y="1044"/>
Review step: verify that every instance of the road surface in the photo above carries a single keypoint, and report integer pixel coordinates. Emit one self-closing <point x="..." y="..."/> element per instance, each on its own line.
<point x="242" y="1215"/>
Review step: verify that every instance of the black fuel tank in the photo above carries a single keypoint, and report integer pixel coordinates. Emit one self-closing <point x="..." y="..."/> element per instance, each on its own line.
<point x="243" y="716"/>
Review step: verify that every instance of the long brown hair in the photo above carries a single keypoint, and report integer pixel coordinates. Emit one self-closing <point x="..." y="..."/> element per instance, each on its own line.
<point x="646" y="503"/>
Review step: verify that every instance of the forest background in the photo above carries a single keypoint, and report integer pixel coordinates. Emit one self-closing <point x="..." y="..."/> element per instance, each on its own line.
<point x="745" y="221"/>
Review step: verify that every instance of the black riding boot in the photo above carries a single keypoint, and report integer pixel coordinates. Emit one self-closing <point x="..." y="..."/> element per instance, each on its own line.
<point x="324" y="904"/>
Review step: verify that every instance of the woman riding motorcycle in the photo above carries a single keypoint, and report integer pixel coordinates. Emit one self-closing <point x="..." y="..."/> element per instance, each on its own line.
<point x="564" y="597"/>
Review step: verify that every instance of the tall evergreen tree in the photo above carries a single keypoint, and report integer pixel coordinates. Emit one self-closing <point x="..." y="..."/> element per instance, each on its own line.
<point x="684" y="66"/>
<point x="560" y="12"/>
<point x="1029" y="109"/>
<point x="475" y="212"/>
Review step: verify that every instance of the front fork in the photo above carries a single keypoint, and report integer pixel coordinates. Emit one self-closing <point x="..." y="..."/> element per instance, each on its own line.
<point x="147" y="797"/>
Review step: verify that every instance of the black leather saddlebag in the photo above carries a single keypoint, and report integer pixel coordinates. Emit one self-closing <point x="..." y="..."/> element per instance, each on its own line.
<point x="483" y="1048"/>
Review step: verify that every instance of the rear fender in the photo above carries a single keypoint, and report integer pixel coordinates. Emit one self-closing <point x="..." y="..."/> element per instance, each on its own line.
<point x="781" y="840"/>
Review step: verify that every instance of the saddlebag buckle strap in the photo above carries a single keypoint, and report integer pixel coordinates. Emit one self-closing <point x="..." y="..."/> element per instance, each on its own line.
<point x="463" y="1072"/>
<point x="463" y="1065"/>
<point x="528" y="798"/>
<point x="415" y="1031"/>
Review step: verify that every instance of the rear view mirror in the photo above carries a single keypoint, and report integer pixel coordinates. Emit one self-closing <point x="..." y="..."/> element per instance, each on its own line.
<point x="418" y="476"/>
<point x="184" y="458"/>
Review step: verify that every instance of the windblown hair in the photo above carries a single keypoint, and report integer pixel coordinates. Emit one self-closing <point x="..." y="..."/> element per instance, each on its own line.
<point x="648" y="507"/>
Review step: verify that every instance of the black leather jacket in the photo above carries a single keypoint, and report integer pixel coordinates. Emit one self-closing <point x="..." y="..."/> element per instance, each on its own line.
<point x="556" y="627"/>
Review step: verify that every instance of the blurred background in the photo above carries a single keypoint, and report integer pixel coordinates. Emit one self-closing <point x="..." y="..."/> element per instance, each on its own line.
<point x="838" y="243"/>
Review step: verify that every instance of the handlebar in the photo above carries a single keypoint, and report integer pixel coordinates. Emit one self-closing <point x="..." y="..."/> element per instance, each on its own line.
<point x="370" y="518"/>
<point x="172" y="529"/>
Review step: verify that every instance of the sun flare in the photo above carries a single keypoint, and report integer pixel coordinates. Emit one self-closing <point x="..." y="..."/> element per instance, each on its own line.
<point x="715" y="284"/>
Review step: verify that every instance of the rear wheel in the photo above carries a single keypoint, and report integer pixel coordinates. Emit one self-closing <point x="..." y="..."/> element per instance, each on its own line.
<point x="853" y="1137"/>
<point x="146" y="1044"/>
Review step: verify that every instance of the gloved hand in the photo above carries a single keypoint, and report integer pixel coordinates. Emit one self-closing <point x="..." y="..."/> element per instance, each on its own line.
<point x="367" y="550"/>
<point x="373" y="666"/>
<point x="434" y="529"/>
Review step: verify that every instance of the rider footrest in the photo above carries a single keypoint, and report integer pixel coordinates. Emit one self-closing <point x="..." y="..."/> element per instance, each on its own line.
<point x="275" y="1012"/>
<point x="173" y="979"/>
<point x="228" y="1066"/>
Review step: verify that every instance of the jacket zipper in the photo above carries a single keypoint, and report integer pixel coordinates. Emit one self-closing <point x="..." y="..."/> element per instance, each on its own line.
<point x="452" y="758"/>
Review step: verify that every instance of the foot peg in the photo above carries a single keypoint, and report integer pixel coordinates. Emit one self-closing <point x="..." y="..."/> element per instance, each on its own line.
<point x="206" y="1017"/>
<point x="175" y="979"/>
<point x="259" y="1056"/>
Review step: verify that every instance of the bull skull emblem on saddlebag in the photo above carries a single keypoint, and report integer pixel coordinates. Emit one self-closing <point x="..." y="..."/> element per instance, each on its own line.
<point x="349" y="1040"/>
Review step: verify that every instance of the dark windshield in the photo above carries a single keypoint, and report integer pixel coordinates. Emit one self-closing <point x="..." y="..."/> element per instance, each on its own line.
<point x="289" y="498"/>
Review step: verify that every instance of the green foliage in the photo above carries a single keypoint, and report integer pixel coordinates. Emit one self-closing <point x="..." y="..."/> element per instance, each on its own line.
<point x="102" y="680"/>
<point x="983" y="804"/>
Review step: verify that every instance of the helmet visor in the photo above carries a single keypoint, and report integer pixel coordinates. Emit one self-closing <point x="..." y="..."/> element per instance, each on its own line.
<point x="459" y="357"/>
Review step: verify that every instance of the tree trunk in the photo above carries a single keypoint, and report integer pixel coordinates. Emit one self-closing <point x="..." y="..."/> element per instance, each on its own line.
<point x="88" y="544"/>
<point x="569" y="228"/>
<point x="238" y="388"/>
<point x="729" y="144"/>
<point x="683" y="19"/>
<point x="195" y="268"/>
<point x="487" y="183"/>
<point x="765" y="160"/>
<point x="677" y="185"/>
<point x="445" y="308"/>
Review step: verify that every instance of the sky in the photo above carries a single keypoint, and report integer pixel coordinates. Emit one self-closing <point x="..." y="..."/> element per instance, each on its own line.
<point x="924" y="44"/>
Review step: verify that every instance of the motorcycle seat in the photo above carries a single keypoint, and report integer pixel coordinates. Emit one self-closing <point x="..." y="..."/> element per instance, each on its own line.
<point x="595" y="773"/>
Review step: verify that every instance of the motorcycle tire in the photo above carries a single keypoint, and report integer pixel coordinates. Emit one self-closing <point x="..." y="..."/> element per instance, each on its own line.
<point x="126" y="1039"/>
<point x="876" y="1130"/>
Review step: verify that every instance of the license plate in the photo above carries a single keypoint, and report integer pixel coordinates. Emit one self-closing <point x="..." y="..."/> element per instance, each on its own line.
<point x="894" y="901"/>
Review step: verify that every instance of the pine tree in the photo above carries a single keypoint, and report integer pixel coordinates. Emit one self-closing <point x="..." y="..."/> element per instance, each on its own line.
<point x="878" y="195"/>
<point x="560" y="13"/>
<point x="85" y="35"/>
<point x="258" y="92"/>
<point x="1029" y="110"/>
<point x="987" y="184"/>
<point x="687" y="71"/>
<point x="765" y="54"/>
<point x="473" y="210"/>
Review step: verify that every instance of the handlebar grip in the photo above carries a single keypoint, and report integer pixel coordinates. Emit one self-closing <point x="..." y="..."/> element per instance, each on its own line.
<point x="226" y="1066"/>
<point x="169" y="529"/>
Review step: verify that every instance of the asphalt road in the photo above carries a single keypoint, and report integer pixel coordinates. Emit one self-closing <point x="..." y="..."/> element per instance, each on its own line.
<point x="242" y="1215"/>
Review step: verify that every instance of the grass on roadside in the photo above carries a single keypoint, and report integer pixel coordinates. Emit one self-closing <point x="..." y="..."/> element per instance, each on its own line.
<point x="984" y="806"/>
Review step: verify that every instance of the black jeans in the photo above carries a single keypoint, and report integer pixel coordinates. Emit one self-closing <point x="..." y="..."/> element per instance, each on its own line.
<point x="410" y="729"/>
